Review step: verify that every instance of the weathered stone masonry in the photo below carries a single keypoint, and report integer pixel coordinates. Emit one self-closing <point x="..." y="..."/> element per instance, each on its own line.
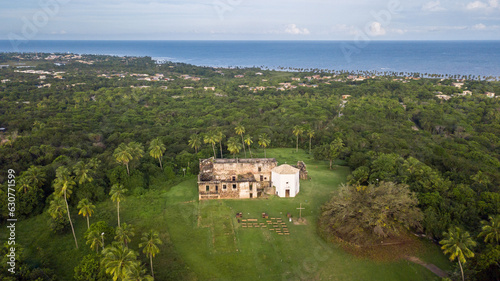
<point x="235" y="178"/>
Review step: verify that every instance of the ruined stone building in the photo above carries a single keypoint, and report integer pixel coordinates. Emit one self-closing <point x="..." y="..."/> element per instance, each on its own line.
<point x="235" y="178"/>
<point x="248" y="178"/>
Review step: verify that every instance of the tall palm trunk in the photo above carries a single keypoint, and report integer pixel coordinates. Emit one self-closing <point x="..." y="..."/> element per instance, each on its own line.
<point x="118" y="211"/>
<point x="297" y="149"/>
<point x="461" y="269"/>
<point x="213" y="147"/>
<point x="243" y="142"/>
<point x="159" y="159"/>
<point x="250" y="150"/>
<point x="151" y="261"/>
<point x="128" y="171"/>
<point x="310" y="145"/>
<point x="69" y="217"/>
<point x="220" y="143"/>
<point x="88" y="222"/>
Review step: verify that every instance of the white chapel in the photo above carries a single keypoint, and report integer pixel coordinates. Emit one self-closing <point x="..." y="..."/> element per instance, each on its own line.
<point x="285" y="179"/>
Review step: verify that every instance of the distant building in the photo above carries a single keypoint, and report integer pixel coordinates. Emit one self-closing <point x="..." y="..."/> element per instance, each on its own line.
<point x="443" y="97"/>
<point x="490" y="94"/>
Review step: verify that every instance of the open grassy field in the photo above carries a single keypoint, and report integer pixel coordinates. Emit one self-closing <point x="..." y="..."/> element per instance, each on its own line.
<point x="216" y="247"/>
<point x="204" y="241"/>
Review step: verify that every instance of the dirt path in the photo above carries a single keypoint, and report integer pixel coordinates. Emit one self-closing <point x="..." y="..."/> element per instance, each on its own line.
<point x="436" y="270"/>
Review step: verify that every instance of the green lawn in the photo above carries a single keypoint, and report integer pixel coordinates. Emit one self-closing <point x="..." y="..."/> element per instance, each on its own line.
<point x="204" y="241"/>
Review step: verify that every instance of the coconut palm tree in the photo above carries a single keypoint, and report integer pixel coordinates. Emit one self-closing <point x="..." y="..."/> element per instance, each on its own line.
<point x="117" y="195"/>
<point x="310" y="133"/>
<point x="86" y="209"/>
<point x="491" y="230"/>
<point x="297" y="131"/>
<point x="248" y="141"/>
<point x="57" y="208"/>
<point x="63" y="185"/>
<point x="119" y="261"/>
<point x="136" y="150"/>
<point x="138" y="274"/>
<point x="124" y="233"/>
<point x="211" y="138"/>
<point x="219" y="138"/>
<point x="264" y="142"/>
<point x="240" y="130"/>
<point x="457" y="244"/>
<point x="34" y="177"/>
<point x="156" y="150"/>
<point x="123" y="155"/>
<point x="234" y="146"/>
<point x="94" y="239"/>
<point x="150" y="241"/>
<point x="195" y="142"/>
<point x="83" y="172"/>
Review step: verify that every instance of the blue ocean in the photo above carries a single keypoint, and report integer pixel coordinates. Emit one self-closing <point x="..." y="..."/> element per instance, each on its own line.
<point x="432" y="57"/>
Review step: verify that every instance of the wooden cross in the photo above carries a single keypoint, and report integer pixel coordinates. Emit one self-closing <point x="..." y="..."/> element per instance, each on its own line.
<point x="300" y="210"/>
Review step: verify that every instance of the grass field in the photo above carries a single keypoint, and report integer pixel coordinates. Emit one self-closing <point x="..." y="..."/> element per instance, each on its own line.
<point x="204" y="240"/>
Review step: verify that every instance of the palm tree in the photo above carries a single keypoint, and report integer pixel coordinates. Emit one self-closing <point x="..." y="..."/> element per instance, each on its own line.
<point x="156" y="150"/>
<point x="195" y="142"/>
<point x="83" y="172"/>
<point x="248" y="141"/>
<point x="240" y="130"/>
<point x="57" y="208"/>
<point x="34" y="177"/>
<point x="119" y="261"/>
<point x="125" y="233"/>
<point x="264" y="141"/>
<point x="491" y="230"/>
<point x="138" y="274"/>
<point x="150" y="242"/>
<point x="310" y="133"/>
<point x="63" y="185"/>
<point x="219" y="138"/>
<point x="211" y="138"/>
<point x="86" y="209"/>
<point x="136" y="150"/>
<point x="457" y="244"/>
<point x="94" y="239"/>
<point x="117" y="195"/>
<point x="297" y="131"/>
<point x="123" y="156"/>
<point x="234" y="146"/>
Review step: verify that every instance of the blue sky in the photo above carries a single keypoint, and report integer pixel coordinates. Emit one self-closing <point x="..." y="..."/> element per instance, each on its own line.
<point x="251" y="19"/>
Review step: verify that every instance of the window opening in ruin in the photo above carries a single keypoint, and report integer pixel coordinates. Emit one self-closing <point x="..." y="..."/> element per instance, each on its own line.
<point x="234" y="186"/>
<point x="224" y="187"/>
<point x="208" y="188"/>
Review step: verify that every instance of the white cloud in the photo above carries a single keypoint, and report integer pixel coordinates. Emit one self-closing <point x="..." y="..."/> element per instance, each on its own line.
<point x="478" y="5"/>
<point x="432" y="6"/>
<point x="376" y="29"/>
<point x="344" y="28"/>
<point x="399" y="31"/>
<point x="494" y="3"/>
<point x="293" y="29"/>
<point x="479" y="26"/>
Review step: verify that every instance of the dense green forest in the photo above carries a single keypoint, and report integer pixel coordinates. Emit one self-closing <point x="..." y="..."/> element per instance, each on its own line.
<point x="78" y="128"/>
